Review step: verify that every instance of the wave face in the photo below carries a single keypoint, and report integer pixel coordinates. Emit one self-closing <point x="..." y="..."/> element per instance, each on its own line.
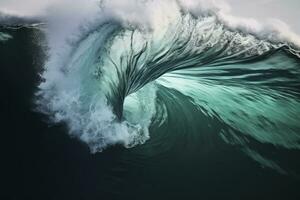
<point x="119" y="83"/>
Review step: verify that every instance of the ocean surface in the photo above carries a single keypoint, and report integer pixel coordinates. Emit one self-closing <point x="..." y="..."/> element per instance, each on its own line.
<point x="191" y="109"/>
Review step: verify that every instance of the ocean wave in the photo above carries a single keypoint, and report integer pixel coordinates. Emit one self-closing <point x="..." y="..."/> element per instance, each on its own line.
<point x="104" y="70"/>
<point x="120" y="72"/>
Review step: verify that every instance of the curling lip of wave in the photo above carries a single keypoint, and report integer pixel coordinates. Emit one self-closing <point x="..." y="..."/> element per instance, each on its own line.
<point x="108" y="67"/>
<point x="87" y="87"/>
<point x="118" y="72"/>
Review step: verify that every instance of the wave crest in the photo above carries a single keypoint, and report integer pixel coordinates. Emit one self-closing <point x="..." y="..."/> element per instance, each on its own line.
<point x="105" y="71"/>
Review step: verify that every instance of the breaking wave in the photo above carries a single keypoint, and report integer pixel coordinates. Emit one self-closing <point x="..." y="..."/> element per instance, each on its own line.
<point x="118" y="72"/>
<point x="110" y="78"/>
